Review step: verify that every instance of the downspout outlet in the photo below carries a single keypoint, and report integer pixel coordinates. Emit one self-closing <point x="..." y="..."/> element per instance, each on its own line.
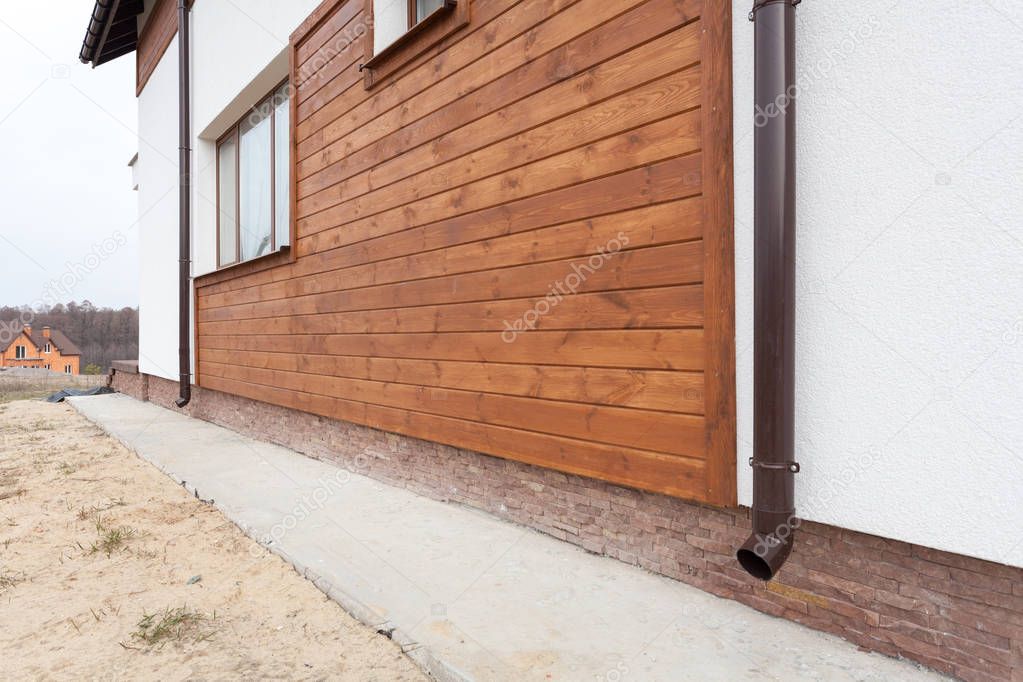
<point x="762" y="555"/>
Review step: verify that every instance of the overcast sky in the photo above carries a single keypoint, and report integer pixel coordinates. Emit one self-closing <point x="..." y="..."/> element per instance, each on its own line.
<point x="67" y="132"/>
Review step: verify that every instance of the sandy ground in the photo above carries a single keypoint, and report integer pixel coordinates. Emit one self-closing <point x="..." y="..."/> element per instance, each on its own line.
<point x="98" y="549"/>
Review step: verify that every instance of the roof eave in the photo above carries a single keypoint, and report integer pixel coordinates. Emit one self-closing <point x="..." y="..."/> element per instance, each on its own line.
<point x="112" y="31"/>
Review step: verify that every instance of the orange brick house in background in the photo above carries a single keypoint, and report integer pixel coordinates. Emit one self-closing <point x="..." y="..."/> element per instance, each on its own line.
<point x="49" y="349"/>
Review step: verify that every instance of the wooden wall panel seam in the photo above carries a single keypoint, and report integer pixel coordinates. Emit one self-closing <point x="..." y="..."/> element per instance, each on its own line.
<point x="524" y="302"/>
<point x="643" y="189"/>
<point x="574" y="239"/>
<point x="589" y="81"/>
<point x="509" y="443"/>
<point x="412" y="184"/>
<point x="651" y="390"/>
<point x="619" y="349"/>
<point x="543" y="95"/>
<point x="592" y="114"/>
<point x="338" y="128"/>
<point x="340" y="235"/>
<point x="491" y="16"/>
<point x="558" y="57"/>
<point x="538" y="278"/>
<point x="213" y="366"/>
<point x="504" y="422"/>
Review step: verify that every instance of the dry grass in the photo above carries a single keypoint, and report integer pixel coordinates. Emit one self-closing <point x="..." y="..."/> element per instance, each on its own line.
<point x="111" y="539"/>
<point x="9" y="580"/>
<point x="173" y="625"/>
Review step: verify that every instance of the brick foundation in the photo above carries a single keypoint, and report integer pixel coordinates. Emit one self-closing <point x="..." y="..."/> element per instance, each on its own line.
<point x="955" y="614"/>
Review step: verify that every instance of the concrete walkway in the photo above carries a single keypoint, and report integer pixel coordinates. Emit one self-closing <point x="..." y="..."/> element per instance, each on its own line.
<point x="469" y="596"/>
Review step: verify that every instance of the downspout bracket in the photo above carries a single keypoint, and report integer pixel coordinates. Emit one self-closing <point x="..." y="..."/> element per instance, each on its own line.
<point x="789" y="466"/>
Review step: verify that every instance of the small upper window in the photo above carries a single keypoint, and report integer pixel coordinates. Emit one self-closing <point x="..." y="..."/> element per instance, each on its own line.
<point x="393" y="18"/>
<point x="253" y="198"/>
<point x="400" y="30"/>
<point x="67" y="369"/>
<point x="46" y="348"/>
<point x="19" y="352"/>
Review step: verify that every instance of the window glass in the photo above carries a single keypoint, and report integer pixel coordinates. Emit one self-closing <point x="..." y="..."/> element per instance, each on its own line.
<point x="390" y="22"/>
<point x="425" y="8"/>
<point x="227" y="198"/>
<point x="254" y="182"/>
<point x="282" y="167"/>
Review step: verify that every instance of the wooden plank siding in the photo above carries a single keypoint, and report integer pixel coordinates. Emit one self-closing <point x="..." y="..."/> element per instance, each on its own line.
<point x="161" y="25"/>
<point x="438" y="207"/>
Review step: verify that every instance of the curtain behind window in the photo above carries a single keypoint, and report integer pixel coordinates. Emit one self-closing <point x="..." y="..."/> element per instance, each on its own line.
<point x="282" y="166"/>
<point x="254" y="164"/>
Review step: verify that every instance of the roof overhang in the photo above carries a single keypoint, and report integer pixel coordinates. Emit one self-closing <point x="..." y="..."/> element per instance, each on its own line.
<point x="112" y="31"/>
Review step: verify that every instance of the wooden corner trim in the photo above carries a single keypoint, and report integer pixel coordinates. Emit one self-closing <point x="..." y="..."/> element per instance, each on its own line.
<point x="154" y="39"/>
<point x="719" y="254"/>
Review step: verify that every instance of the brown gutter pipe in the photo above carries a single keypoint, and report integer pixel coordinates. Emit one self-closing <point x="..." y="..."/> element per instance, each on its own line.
<point x="774" y="218"/>
<point x="184" y="211"/>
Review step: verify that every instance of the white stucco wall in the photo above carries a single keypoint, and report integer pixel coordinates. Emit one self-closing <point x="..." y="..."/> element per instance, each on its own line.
<point x="238" y="54"/>
<point x="156" y="171"/>
<point x="909" y="405"/>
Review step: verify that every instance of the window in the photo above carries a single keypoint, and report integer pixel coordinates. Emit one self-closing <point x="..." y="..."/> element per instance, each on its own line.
<point x="19" y="352"/>
<point x="400" y="30"/>
<point x="253" y="197"/>
<point x="393" y="18"/>
<point x="46" y="348"/>
<point x="67" y="369"/>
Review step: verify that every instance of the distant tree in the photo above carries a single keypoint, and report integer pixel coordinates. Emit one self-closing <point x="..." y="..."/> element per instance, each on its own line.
<point x="92" y="368"/>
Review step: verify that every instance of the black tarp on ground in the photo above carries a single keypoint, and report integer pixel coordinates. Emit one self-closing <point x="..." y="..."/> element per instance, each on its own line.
<point x="59" y="396"/>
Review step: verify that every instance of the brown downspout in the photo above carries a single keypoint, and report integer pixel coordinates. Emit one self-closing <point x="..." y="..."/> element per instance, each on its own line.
<point x="184" y="211"/>
<point x="774" y="219"/>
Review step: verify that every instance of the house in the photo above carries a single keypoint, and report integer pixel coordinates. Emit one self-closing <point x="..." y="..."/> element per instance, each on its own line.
<point x="44" y="349"/>
<point x="514" y="245"/>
